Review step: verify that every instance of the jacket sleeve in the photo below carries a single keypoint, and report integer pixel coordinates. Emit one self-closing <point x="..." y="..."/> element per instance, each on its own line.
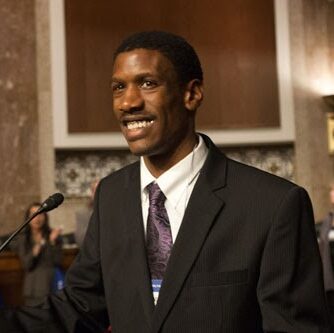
<point x="83" y="283"/>
<point x="290" y="288"/>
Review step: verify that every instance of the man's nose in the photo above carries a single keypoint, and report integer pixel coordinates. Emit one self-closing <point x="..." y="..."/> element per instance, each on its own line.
<point x="132" y="99"/>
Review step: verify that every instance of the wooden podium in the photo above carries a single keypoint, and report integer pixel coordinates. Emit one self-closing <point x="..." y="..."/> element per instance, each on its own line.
<point x="11" y="274"/>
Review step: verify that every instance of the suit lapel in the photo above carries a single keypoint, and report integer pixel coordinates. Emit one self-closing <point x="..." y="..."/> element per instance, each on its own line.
<point x="203" y="207"/>
<point x="139" y="266"/>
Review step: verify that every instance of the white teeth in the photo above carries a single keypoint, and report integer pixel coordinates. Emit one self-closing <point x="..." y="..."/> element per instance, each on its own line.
<point x="138" y="124"/>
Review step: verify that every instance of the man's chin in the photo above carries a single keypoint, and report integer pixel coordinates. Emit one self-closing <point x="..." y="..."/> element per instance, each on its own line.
<point x="143" y="150"/>
<point x="138" y="150"/>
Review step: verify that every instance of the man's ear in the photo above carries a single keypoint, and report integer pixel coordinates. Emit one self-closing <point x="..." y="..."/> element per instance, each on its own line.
<point x="193" y="94"/>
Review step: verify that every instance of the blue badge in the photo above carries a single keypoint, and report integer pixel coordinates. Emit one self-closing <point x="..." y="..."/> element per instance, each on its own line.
<point x="156" y="285"/>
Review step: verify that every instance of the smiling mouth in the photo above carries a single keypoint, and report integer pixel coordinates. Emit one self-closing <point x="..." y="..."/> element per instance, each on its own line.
<point x="133" y="125"/>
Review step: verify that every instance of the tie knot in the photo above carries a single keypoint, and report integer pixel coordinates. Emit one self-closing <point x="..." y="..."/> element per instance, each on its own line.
<point x="156" y="196"/>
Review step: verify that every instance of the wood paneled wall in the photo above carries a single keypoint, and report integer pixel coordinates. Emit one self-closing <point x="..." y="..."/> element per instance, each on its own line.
<point x="235" y="41"/>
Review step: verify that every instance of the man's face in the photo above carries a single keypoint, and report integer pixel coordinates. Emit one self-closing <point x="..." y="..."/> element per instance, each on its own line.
<point x="148" y="102"/>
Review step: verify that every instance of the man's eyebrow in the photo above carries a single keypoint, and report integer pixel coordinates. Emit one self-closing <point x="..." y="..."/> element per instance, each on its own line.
<point x="136" y="77"/>
<point x="115" y="79"/>
<point x="140" y="75"/>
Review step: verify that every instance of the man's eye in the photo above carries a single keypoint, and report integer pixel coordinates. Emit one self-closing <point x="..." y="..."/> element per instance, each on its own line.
<point x="117" y="86"/>
<point x="148" y="84"/>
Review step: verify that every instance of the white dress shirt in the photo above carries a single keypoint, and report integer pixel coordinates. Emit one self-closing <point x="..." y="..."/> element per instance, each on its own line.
<point x="177" y="184"/>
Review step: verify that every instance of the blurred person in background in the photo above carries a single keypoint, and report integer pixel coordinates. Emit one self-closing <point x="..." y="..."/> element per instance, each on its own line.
<point x="83" y="215"/>
<point x="39" y="249"/>
<point x="325" y="249"/>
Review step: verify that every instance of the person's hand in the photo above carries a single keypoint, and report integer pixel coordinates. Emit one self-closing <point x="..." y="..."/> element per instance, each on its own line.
<point x="54" y="234"/>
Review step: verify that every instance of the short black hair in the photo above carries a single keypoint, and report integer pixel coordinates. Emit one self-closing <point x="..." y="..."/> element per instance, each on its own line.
<point x="175" y="48"/>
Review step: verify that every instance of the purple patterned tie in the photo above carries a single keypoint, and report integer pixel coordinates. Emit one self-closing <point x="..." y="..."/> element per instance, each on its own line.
<point x="159" y="236"/>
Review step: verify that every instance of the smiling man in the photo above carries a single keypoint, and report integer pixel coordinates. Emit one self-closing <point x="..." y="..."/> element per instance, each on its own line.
<point x="155" y="107"/>
<point x="186" y="239"/>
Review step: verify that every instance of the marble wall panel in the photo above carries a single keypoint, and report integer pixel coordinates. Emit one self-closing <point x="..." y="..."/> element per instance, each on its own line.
<point x="18" y="111"/>
<point x="311" y="40"/>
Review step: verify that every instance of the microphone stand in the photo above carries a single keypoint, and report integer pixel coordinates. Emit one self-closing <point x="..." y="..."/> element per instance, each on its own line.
<point x="9" y="239"/>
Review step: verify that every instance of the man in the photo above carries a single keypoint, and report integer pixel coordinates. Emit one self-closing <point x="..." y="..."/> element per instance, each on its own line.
<point x="238" y="247"/>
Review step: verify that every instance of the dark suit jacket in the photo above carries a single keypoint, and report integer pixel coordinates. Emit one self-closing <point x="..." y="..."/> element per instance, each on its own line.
<point x="245" y="259"/>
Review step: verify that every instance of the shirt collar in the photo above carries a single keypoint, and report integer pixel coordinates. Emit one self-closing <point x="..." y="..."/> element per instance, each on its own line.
<point x="174" y="181"/>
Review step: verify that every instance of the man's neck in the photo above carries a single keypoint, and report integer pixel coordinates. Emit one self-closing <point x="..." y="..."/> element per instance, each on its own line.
<point x="160" y="163"/>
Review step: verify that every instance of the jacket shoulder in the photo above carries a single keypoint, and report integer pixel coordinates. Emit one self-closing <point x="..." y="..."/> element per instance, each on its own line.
<point x="256" y="183"/>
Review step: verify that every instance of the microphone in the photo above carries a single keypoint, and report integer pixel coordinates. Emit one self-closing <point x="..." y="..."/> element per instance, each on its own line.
<point x="52" y="202"/>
